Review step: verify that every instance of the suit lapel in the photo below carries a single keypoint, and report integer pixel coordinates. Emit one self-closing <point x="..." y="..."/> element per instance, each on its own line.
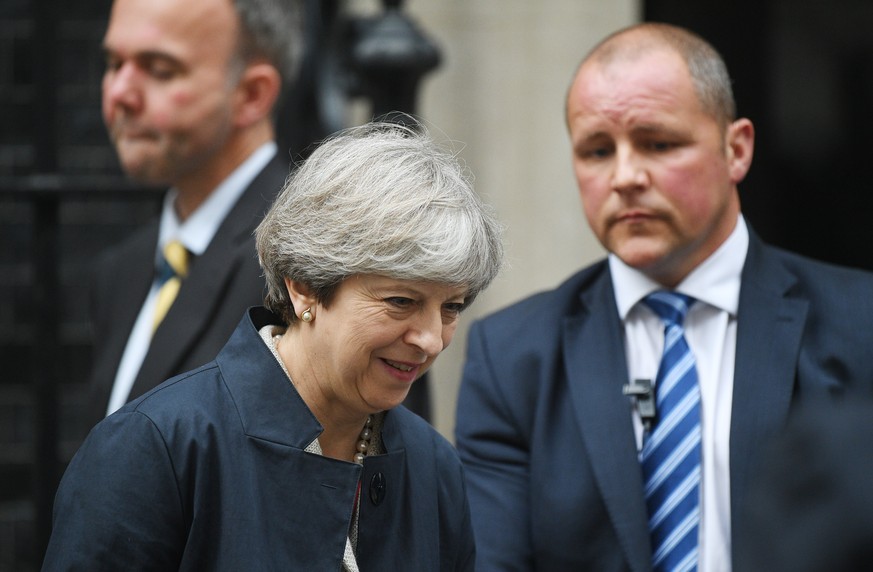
<point x="597" y="369"/>
<point x="120" y="302"/>
<point x="137" y="266"/>
<point x="769" y="330"/>
<point x="202" y="291"/>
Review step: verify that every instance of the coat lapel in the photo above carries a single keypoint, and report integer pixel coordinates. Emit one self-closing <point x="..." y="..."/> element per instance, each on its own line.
<point x="769" y="330"/>
<point x="597" y="370"/>
<point x="278" y="422"/>
<point x="278" y="426"/>
<point x="269" y="407"/>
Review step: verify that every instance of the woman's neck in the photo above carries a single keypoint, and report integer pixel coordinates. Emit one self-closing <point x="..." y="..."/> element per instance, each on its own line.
<point x="342" y="427"/>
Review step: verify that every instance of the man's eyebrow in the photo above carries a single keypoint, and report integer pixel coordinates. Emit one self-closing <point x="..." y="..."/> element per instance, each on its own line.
<point x="146" y="55"/>
<point x="599" y="134"/>
<point x="655" y="128"/>
<point x="594" y="136"/>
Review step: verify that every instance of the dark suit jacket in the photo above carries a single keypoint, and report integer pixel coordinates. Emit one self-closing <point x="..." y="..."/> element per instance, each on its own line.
<point x="546" y="434"/>
<point x="208" y="472"/>
<point x="812" y="508"/>
<point x="221" y="284"/>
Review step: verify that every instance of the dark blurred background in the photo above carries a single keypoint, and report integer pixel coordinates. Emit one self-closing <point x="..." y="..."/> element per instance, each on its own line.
<point x="803" y="72"/>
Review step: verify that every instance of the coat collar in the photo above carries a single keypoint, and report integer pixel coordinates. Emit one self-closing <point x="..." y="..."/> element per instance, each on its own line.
<point x="271" y="410"/>
<point x="269" y="407"/>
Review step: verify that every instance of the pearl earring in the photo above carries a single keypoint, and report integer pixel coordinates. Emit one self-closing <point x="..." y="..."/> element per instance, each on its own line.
<point x="306" y="316"/>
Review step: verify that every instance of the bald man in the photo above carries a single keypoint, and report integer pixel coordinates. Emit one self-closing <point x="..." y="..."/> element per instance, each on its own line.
<point x="616" y="422"/>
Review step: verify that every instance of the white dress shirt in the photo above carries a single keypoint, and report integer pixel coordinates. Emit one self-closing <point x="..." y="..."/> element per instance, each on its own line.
<point x="195" y="233"/>
<point x="711" y="332"/>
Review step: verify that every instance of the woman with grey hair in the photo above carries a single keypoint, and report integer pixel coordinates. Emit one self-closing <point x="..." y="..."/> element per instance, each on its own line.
<point x="291" y="450"/>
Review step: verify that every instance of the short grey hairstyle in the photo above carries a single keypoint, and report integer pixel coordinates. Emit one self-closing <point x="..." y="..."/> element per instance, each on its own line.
<point x="707" y="69"/>
<point x="273" y="30"/>
<point x="382" y="199"/>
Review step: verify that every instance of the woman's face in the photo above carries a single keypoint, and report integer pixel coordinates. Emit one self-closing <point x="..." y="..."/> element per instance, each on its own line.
<point x="377" y="336"/>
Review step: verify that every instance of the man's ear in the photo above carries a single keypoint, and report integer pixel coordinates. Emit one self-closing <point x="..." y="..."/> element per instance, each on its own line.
<point x="256" y="93"/>
<point x="301" y="296"/>
<point x="740" y="145"/>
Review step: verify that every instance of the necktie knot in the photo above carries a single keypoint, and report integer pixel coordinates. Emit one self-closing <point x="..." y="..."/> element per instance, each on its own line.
<point x="173" y="263"/>
<point x="177" y="257"/>
<point x="671" y="307"/>
<point x="173" y="268"/>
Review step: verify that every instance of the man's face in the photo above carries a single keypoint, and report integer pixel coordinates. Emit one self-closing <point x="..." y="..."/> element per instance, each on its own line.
<point x="168" y="86"/>
<point x="656" y="174"/>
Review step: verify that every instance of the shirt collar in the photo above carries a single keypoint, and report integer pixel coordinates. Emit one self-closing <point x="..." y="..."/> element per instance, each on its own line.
<point x="198" y="229"/>
<point x="716" y="281"/>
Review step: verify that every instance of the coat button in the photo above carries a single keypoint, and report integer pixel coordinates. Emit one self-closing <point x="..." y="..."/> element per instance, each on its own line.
<point x="377" y="489"/>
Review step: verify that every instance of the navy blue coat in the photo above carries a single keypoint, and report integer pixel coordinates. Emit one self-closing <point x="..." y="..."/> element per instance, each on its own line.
<point x="208" y="472"/>
<point x="546" y="434"/>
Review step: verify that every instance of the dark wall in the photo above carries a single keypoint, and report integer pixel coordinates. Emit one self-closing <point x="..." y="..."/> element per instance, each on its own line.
<point x="51" y="139"/>
<point x="803" y="73"/>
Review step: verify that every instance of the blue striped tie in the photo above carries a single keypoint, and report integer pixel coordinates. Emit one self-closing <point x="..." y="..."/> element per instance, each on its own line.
<point x="671" y="454"/>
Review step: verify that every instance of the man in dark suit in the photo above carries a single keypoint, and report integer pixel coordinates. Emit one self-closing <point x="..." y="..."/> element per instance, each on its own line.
<point x="580" y="453"/>
<point x="188" y="97"/>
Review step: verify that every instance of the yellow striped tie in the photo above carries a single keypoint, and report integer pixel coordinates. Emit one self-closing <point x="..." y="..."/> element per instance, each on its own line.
<point x="175" y="269"/>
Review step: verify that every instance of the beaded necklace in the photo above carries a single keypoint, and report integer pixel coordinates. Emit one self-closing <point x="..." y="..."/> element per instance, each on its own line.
<point x="364" y="443"/>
